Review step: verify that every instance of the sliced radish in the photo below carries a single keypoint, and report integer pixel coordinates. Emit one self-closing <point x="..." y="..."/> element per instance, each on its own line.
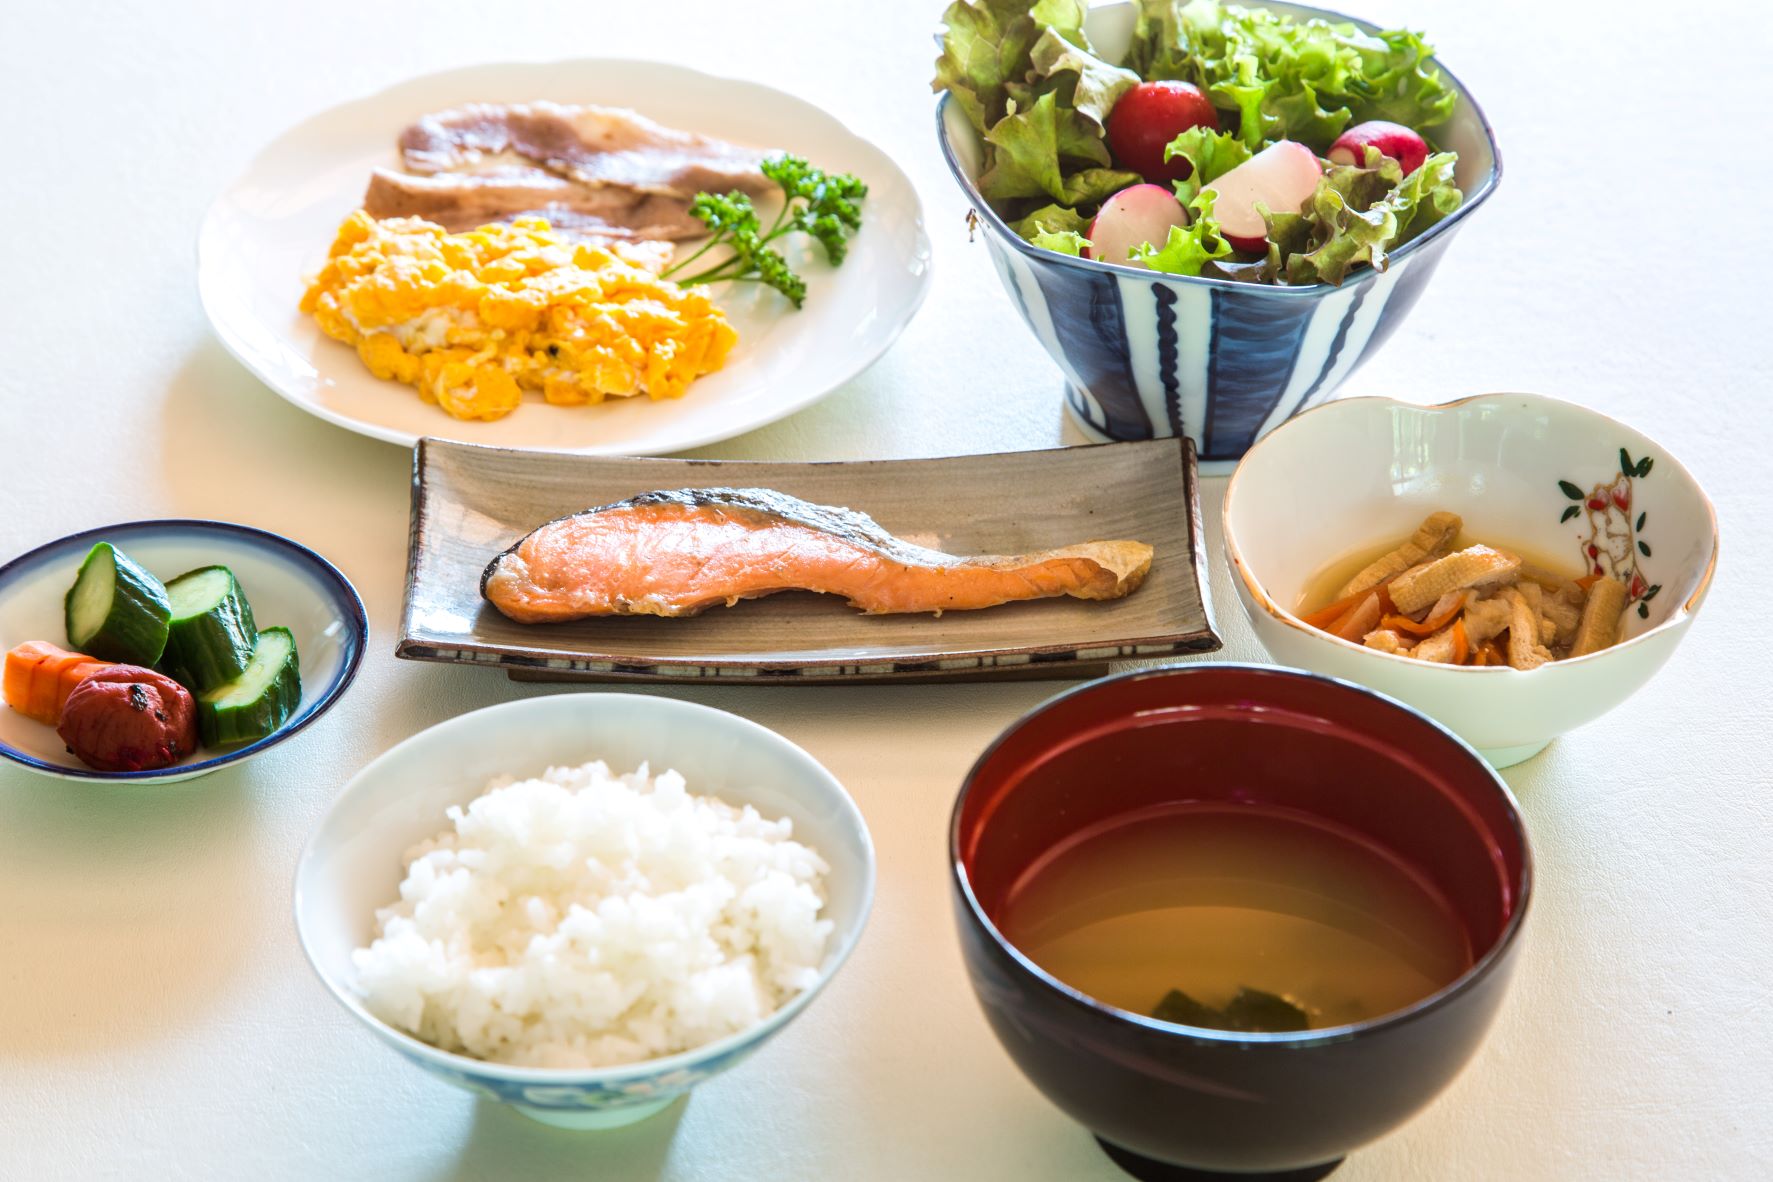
<point x="1281" y="176"/>
<point x="1393" y="139"/>
<point x="1135" y="215"/>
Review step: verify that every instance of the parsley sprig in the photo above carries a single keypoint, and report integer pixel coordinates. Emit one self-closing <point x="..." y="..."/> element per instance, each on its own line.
<point x="825" y="206"/>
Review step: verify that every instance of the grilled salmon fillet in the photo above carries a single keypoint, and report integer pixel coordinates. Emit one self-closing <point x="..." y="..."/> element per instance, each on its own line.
<point x="677" y="553"/>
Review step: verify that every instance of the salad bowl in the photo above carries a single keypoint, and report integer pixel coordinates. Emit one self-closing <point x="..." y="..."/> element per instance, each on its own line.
<point x="1146" y="355"/>
<point x="353" y="864"/>
<point x="1551" y="478"/>
<point x="287" y="583"/>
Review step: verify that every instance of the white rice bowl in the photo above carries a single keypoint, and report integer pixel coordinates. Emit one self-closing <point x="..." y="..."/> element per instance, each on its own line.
<point x="583" y="919"/>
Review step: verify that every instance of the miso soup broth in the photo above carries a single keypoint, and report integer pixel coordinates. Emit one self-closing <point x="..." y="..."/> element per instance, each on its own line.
<point x="1236" y="916"/>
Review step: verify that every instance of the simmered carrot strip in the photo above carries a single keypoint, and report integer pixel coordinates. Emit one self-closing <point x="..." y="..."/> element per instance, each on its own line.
<point x="1326" y="618"/>
<point x="1461" y="644"/>
<point x="1427" y="627"/>
<point x="1587" y="581"/>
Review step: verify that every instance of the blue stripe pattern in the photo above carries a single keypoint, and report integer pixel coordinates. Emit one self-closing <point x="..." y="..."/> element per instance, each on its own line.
<point x="1256" y="341"/>
<point x="1167" y="356"/>
<point x="1336" y="347"/>
<point x="1405" y="294"/>
<point x="1091" y="326"/>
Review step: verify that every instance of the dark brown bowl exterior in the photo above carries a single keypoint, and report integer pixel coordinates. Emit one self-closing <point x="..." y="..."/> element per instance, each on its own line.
<point x="1216" y="1100"/>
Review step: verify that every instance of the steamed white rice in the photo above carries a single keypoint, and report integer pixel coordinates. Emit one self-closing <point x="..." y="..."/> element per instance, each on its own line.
<point x="584" y="919"/>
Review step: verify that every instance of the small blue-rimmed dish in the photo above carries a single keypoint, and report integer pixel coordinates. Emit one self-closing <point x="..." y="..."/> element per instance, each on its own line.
<point x="286" y="583"/>
<point x="1147" y="355"/>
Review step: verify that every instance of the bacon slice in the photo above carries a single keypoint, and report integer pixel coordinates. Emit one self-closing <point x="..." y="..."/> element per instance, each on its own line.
<point x="677" y="553"/>
<point x="590" y="145"/>
<point x="598" y="171"/>
<point x="458" y="203"/>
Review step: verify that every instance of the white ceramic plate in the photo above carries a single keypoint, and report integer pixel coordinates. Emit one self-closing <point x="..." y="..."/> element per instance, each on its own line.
<point x="271" y="228"/>
<point x="285" y="582"/>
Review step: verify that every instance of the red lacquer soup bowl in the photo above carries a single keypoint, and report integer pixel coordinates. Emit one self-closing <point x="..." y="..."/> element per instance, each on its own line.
<point x="1169" y="1100"/>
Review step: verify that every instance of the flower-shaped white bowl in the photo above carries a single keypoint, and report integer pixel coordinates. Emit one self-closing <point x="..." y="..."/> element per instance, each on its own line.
<point x="352" y="865"/>
<point x="1552" y="478"/>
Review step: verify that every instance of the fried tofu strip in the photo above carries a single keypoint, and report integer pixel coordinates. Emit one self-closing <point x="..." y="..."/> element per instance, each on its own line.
<point x="1440" y="649"/>
<point x="1432" y="539"/>
<point x="1524" y="649"/>
<point x="1601" y="618"/>
<point x="1474" y="566"/>
<point x="1485" y="618"/>
<point x="1386" y="641"/>
<point x="1564" y="612"/>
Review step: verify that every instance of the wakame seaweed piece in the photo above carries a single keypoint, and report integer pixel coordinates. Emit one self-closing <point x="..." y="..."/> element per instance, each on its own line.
<point x="116" y="611"/>
<point x="1257" y="1010"/>
<point x="1178" y="1007"/>
<point x="211" y="639"/>
<point x="1252" y="1011"/>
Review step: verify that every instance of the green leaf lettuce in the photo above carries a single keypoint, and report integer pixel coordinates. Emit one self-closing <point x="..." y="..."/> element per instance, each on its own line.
<point x="1063" y="241"/>
<point x="1189" y="248"/>
<point x="1097" y="85"/>
<point x="1026" y="160"/>
<point x="1290" y="79"/>
<point x="1359" y="215"/>
<point x="1210" y="153"/>
<point x="1051" y="219"/>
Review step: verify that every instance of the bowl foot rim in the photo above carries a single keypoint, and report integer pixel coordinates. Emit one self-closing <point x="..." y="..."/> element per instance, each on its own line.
<point x="595" y="1119"/>
<point x="1094" y="434"/>
<point x="1148" y="1169"/>
<point x="1501" y="757"/>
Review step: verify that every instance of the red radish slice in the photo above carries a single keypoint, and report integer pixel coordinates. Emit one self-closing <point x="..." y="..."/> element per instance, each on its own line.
<point x="1136" y="214"/>
<point x="1147" y="118"/>
<point x="1393" y="139"/>
<point x="1281" y="176"/>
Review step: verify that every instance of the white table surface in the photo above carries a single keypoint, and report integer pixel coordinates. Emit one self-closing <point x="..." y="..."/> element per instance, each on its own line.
<point x="157" y="1019"/>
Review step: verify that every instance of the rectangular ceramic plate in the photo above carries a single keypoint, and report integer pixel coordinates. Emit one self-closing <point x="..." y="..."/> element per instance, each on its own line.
<point x="470" y="503"/>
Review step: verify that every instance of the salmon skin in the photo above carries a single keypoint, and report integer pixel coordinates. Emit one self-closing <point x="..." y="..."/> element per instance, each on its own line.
<point x="679" y="552"/>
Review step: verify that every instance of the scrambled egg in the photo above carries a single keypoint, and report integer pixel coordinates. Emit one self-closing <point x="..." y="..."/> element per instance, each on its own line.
<point x="472" y="320"/>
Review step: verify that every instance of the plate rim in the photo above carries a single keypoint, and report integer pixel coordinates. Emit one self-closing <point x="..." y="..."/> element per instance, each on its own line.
<point x="982" y="663"/>
<point x="923" y="250"/>
<point x="345" y="593"/>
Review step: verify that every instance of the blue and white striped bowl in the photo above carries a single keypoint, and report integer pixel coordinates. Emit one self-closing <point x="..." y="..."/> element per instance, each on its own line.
<point x="1148" y="356"/>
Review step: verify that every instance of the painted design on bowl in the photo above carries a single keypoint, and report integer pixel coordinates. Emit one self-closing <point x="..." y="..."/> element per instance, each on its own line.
<point x="1614" y="541"/>
<point x="580" y="1095"/>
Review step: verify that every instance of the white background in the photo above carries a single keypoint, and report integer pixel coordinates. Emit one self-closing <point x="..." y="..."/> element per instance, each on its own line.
<point x="156" y="1017"/>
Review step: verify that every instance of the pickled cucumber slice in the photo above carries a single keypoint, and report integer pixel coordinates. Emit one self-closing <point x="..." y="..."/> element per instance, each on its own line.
<point x="257" y="702"/>
<point x="211" y="636"/>
<point x="117" y="611"/>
